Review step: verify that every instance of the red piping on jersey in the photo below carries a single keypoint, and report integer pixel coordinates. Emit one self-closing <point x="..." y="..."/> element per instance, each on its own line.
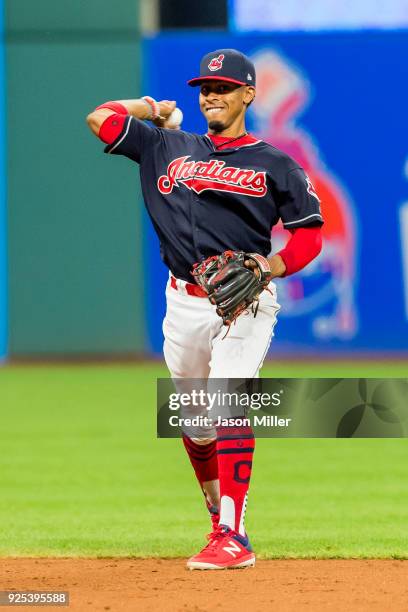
<point x="304" y="245"/>
<point x="218" y="141"/>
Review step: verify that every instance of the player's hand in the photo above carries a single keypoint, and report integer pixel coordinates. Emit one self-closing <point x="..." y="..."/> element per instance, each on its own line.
<point x="276" y="264"/>
<point x="250" y="263"/>
<point x="166" y="108"/>
<point x="232" y="283"/>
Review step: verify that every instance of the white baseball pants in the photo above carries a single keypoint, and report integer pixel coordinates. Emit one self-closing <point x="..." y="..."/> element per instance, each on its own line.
<point x="194" y="342"/>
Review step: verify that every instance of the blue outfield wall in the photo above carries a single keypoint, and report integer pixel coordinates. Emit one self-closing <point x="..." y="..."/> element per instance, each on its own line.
<point x="336" y="102"/>
<point x="3" y="215"/>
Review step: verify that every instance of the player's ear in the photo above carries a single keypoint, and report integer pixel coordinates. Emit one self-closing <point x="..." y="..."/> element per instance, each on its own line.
<point x="249" y="95"/>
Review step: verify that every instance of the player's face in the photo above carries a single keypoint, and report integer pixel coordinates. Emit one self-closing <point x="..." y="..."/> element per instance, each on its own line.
<point x="223" y="103"/>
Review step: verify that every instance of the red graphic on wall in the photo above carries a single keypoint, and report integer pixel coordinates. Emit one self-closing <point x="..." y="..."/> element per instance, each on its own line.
<point x="281" y="95"/>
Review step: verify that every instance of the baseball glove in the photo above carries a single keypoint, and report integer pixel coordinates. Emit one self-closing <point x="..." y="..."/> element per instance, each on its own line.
<point x="231" y="285"/>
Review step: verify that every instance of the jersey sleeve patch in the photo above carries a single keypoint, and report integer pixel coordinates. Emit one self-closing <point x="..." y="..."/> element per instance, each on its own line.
<point x="299" y="204"/>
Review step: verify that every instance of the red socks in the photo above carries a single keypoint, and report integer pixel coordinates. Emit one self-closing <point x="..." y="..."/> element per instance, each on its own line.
<point x="203" y="458"/>
<point x="229" y="459"/>
<point x="235" y="448"/>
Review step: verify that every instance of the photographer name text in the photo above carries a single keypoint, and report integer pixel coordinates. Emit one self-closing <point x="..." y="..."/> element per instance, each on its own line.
<point x="205" y="421"/>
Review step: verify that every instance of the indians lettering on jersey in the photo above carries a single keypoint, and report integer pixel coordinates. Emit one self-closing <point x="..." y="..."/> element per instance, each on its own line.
<point x="325" y="289"/>
<point x="214" y="175"/>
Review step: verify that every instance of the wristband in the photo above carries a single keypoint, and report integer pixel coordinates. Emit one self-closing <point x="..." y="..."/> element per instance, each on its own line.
<point x="115" y="106"/>
<point x="262" y="262"/>
<point x="154" y="107"/>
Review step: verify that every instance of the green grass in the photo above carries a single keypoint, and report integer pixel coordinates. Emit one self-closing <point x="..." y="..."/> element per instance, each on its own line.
<point x="82" y="473"/>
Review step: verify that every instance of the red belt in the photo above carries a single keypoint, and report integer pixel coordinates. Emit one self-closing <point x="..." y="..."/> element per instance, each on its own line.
<point x="189" y="287"/>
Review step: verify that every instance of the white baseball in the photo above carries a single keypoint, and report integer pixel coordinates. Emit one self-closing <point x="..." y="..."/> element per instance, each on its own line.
<point x="174" y="119"/>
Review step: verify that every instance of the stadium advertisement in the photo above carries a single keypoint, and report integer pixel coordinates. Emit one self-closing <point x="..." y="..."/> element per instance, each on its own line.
<point x="331" y="101"/>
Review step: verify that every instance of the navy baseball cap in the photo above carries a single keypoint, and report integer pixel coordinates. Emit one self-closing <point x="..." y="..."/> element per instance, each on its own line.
<point x="226" y="65"/>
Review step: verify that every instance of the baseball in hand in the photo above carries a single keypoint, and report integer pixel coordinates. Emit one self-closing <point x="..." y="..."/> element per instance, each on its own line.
<point x="174" y="119"/>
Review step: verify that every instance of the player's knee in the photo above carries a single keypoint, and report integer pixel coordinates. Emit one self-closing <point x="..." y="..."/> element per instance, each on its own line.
<point x="204" y="441"/>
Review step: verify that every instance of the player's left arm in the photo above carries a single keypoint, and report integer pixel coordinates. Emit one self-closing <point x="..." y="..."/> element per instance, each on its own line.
<point x="299" y="209"/>
<point x="303" y="246"/>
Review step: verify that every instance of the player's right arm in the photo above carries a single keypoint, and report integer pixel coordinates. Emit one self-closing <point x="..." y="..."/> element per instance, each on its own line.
<point x="136" y="108"/>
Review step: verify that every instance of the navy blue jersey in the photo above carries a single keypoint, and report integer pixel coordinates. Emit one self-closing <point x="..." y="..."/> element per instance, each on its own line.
<point x="203" y="201"/>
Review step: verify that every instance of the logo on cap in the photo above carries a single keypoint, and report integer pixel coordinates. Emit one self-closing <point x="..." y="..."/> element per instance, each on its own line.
<point x="216" y="63"/>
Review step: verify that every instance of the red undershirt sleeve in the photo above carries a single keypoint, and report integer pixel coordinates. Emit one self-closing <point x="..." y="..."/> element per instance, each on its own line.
<point x="111" y="128"/>
<point x="113" y="125"/>
<point x="304" y="245"/>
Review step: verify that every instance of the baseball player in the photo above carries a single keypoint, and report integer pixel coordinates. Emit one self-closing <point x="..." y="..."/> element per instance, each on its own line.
<point x="213" y="200"/>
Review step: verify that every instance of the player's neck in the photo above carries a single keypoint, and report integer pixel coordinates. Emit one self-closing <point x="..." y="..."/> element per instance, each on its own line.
<point x="235" y="130"/>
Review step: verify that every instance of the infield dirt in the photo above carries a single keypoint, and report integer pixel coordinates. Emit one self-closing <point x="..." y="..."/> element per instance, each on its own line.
<point x="165" y="584"/>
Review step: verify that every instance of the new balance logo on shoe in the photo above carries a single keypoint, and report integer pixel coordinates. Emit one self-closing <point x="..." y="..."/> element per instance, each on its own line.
<point x="232" y="549"/>
<point x="223" y="551"/>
